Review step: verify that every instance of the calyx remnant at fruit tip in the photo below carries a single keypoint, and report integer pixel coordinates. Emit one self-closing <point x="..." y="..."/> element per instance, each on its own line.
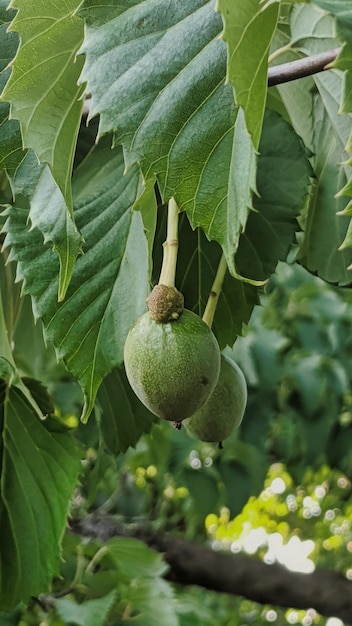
<point x="165" y="304"/>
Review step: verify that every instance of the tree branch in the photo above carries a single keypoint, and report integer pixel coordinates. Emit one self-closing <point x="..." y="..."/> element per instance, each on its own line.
<point x="327" y="591"/>
<point x="302" y="67"/>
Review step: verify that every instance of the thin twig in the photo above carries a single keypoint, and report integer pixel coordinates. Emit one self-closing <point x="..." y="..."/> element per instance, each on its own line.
<point x="301" y="68"/>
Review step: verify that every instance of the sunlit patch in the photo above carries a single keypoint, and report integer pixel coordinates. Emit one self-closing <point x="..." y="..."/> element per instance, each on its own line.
<point x="291" y="502"/>
<point x="329" y="515"/>
<point x="292" y="617"/>
<point x="334" y="621"/>
<point x="151" y="471"/>
<point x="343" y="483"/>
<point x="270" y="615"/>
<point x="319" y="492"/>
<point x="278" y="486"/>
<point x="196" y="463"/>
<point x="236" y="547"/>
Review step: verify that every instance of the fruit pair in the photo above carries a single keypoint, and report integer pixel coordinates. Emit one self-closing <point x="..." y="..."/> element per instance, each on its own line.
<point x="176" y="370"/>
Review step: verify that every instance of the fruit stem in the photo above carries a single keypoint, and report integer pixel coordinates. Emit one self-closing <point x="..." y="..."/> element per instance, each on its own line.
<point x="215" y="291"/>
<point x="170" y="246"/>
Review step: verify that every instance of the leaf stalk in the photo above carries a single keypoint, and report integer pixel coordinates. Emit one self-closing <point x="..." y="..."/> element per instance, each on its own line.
<point x="170" y="247"/>
<point x="208" y="316"/>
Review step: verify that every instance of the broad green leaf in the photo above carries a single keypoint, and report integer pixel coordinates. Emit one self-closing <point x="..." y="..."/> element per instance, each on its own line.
<point x="48" y="212"/>
<point x="11" y="152"/>
<point x="123" y="417"/>
<point x="313" y="32"/>
<point x="170" y="107"/>
<point x="109" y="284"/>
<point x="342" y="11"/>
<point x="135" y="560"/>
<point x="87" y="613"/>
<point x="283" y="181"/>
<point x="324" y="229"/>
<point x="42" y="89"/>
<point x="38" y="469"/>
<point x="248" y="31"/>
<point x="197" y="264"/>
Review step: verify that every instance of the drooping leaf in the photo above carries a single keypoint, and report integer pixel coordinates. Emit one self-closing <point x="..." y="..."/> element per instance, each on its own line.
<point x="110" y="281"/>
<point x="38" y="469"/>
<point x="87" y="613"/>
<point x="48" y="212"/>
<point x="49" y="207"/>
<point x="168" y="103"/>
<point x="247" y="21"/>
<point x="123" y="417"/>
<point x="42" y="89"/>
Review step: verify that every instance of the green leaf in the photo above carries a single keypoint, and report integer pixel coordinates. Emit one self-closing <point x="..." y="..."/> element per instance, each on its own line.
<point x="243" y="468"/>
<point x="246" y="21"/>
<point x="147" y="204"/>
<point x="48" y="212"/>
<point x="170" y="107"/>
<point x="203" y="488"/>
<point x="134" y="559"/>
<point x="297" y="95"/>
<point x="88" y="613"/>
<point x="283" y="180"/>
<point x="325" y="229"/>
<point x="11" y="152"/>
<point x="38" y="473"/>
<point x="42" y="89"/>
<point x="154" y="600"/>
<point x="314" y="32"/>
<point x="123" y="417"/>
<point x="109" y="284"/>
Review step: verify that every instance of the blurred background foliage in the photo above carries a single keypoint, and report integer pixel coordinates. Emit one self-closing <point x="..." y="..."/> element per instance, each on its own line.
<point x="280" y="490"/>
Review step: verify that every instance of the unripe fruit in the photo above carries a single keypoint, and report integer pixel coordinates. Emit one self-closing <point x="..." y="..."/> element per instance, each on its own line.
<point x="224" y="411"/>
<point x="172" y="368"/>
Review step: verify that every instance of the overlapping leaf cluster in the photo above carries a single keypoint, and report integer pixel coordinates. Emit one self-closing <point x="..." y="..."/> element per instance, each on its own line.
<point x="180" y="89"/>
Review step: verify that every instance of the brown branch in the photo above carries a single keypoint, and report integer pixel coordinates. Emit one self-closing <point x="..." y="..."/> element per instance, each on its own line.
<point x="301" y="68"/>
<point x="327" y="591"/>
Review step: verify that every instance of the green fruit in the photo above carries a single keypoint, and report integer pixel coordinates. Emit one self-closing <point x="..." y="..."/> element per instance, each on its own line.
<point x="172" y="368"/>
<point x="223" y="412"/>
